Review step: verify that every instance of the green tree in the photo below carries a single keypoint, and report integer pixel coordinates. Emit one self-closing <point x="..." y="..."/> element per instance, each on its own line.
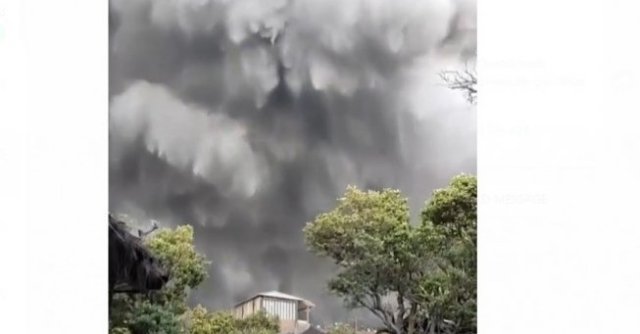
<point x="369" y="237"/>
<point x="188" y="268"/>
<point x="201" y="321"/>
<point x="399" y="272"/>
<point x="449" y="221"/>
<point x="152" y="318"/>
<point x="258" y="323"/>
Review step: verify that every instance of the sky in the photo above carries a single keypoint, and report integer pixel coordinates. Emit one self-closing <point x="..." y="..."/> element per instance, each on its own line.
<point x="247" y="118"/>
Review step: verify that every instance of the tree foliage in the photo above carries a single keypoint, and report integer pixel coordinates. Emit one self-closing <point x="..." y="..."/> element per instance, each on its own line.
<point x="450" y="218"/>
<point x="369" y="237"/>
<point x="188" y="268"/>
<point x="201" y="321"/>
<point x="149" y="317"/>
<point x="415" y="279"/>
<point x="258" y="323"/>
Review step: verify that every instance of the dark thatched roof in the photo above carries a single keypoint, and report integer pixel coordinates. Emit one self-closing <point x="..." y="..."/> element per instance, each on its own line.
<point x="132" y="267"/>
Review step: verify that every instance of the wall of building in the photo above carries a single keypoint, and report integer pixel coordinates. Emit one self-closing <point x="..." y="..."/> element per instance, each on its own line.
<point x="248" y="308"/>
<point x="283" y="309"/>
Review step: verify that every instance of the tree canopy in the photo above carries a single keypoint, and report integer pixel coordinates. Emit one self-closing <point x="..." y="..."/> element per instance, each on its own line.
<point x="414" y="278"/>
<point x="201" y="321"/>
<point x="450" y="220"/>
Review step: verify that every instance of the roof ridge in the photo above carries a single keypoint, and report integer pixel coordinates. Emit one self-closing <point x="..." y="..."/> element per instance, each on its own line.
<point x="278" y="294"/>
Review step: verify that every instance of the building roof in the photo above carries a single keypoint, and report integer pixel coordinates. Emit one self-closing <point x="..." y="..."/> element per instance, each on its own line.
<point x="279" y="295"/>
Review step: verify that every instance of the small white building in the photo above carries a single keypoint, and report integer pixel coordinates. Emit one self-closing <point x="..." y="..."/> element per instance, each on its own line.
<point x="292" y="311"/>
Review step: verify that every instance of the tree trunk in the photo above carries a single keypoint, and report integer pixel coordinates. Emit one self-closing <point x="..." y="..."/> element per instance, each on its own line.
<point x="412" y="318"/>
<point x="400" y="318"/>
<point x="431" y="327"/>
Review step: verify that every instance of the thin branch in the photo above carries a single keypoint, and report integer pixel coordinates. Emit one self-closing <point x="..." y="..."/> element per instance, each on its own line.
<point x="465" y="81"/>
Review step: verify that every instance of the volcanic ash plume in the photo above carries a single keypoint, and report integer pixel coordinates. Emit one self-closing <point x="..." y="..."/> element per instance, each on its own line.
<point x="247" y="118"/>
<point x="209" y="145"/>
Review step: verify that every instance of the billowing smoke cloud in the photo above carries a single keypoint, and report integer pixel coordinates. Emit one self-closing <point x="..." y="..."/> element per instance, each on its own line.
<point x="210" y="146"/>
<point x="246" y="118"/>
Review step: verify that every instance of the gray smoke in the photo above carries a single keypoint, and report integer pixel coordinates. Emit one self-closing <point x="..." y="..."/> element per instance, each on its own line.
<point x="246" y="118"/>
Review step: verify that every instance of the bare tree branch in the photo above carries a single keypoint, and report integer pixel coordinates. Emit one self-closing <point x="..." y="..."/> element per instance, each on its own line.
<point x="465" y="81"/>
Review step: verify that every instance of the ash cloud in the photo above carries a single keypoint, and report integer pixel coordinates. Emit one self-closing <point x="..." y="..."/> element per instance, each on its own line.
<point x="247" y="118"/>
